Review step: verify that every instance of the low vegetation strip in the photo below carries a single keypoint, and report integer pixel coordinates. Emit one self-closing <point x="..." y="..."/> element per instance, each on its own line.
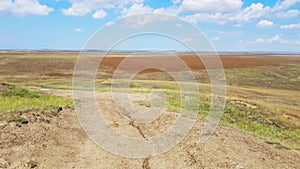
<point x="17" y="99"/>
<point x="253" y="119"/>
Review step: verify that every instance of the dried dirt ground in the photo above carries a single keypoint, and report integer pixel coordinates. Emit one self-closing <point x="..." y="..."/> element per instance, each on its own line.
<point x="57" y="141"/>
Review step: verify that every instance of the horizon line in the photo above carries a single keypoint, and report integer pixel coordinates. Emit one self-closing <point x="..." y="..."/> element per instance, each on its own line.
<point x="145" y="50"/>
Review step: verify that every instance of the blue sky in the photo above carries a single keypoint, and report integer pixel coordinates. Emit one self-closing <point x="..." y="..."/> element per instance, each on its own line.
<point x="231" y="25"/>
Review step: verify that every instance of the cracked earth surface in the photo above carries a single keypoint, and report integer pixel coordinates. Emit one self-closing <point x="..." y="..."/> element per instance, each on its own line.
<point x="58" y="141"/>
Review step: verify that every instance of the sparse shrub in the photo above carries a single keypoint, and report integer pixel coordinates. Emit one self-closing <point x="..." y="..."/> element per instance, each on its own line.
<point x="32" y="164"/>
<point x="20" y="92"/>
<point x="21" y="120"/>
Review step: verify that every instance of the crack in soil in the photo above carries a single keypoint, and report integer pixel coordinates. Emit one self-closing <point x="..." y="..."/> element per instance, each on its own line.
<point x="193" y="159"/>
<point x="146" y="163"/>
<point x="146" y="160"/>
<point x="139" y="129"/>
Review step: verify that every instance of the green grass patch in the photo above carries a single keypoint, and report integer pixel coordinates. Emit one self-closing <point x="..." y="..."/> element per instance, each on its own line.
<point x="16" y="99"/>
<point x="276" y="77"/>
<point x="19" y="92"/>
<point x="21" y="120"/>
<point x="256" y="121"/>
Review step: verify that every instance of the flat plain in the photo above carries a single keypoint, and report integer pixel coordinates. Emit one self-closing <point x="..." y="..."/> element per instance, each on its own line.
<point x="260" y="127"/>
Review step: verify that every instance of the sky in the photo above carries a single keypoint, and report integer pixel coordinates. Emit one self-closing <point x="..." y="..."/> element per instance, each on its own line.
<point x="230" y="25"/>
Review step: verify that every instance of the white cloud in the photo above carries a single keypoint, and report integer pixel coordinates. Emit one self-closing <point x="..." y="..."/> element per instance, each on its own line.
<point x="188" y="40"/>
<point x="254" y="11"/>
<point x="110" y="23"/>
<point x="238" y="25"/>
<point x="176" y="1"/>
<point x="230" y="33"/>
<point x="284" y="42"/>
<point x="215" y="38"/>
<point x="194" y="11"/>
<point x="213" y="11"/>
<point x="78" y="30"/>
<point x="259" y="40"/>
<point x="24" y="7"/>
<point x="100" y="14"/>
<point x="276" y="38"/>
<point x="173" y="10"/>
<point x="178" y="25"/>
<point x="84" y="7"/>
<point x="297" y="42"/>
<point x="140" y="21"/>
<point x="78" y="9"/>
<point x="137" y="22"/>
<point x="288" y="14"/>
<point x="291" y="26"/>
<point x="136" y="9"/>
<point x="139" y="8"/>
<point x="285" y="4"/>
<point x="211" y="6"/>
<point x="264" y="24"/>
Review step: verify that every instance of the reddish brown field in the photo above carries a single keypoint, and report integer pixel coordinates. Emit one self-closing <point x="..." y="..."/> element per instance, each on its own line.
<point x="229" y="61"/>
<point x="13" y="64"/>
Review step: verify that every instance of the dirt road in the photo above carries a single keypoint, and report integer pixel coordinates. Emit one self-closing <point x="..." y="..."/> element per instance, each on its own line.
<point x="57" y="141"/>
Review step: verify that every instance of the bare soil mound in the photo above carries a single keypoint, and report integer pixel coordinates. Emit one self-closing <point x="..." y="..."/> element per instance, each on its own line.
<point x="57" y="141"/>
